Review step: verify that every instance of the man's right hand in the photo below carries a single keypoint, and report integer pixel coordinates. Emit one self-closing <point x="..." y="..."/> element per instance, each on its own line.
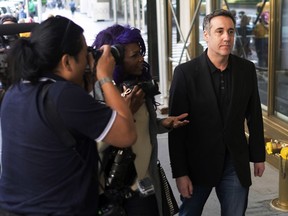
<point x="185" y="187"/>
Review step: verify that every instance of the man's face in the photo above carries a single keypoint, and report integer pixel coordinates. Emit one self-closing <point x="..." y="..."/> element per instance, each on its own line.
<point x="8" y="22"/>
<point x="220" y="36"/>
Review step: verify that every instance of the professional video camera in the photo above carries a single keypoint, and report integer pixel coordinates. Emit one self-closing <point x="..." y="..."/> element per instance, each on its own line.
<point x="8" y="34"/>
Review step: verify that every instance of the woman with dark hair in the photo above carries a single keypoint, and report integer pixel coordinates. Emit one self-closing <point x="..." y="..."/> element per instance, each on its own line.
<point x="40" y="174"/>
<point x="133" y="78"/>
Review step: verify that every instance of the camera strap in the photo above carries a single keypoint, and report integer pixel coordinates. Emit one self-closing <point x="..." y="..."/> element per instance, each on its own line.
<point x="54" y="118"/>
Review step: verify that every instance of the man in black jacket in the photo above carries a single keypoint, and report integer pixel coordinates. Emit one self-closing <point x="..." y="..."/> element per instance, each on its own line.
<point x="220" y="93"/>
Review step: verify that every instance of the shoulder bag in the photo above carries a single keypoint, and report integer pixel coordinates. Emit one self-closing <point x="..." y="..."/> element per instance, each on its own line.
<point x="169" y="203"/>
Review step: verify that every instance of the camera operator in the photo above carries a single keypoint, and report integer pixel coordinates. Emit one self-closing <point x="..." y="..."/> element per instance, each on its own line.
<point x="5" y="42"/>
<point x="133" y="78"/>
<point x="40" y="174"/>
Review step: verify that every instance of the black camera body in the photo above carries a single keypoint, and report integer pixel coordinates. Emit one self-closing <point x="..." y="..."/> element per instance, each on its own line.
<point x="110" y="204"/>
<point x="117" y="51"/>
<point x="150" y="88"/>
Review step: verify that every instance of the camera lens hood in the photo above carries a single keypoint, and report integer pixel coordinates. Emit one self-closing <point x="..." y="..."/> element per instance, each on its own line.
<point x="117" y="51"/>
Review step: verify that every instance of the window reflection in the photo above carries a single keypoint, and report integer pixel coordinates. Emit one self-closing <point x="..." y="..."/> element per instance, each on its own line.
<point x="260" y="32"/>
<point x="281" y="85"/>
<point x="252" y="32"/>
<point x="251" y="42"/>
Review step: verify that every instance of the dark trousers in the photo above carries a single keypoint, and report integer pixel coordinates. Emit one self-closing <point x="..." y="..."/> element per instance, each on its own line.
<point x="232" y="195"/>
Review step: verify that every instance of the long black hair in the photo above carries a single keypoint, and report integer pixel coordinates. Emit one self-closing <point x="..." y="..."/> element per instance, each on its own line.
<point x="30" y="58"/>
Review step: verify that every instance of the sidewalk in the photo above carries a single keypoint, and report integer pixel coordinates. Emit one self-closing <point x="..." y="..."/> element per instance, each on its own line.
<point x="263" y="190"/>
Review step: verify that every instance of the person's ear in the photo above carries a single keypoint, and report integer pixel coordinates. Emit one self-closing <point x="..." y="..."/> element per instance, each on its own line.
<point x="65" y="61"/>
<point x="205" y="35"/>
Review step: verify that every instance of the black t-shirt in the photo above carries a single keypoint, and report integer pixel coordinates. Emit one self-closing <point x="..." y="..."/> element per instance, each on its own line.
<point x="39" y="174"/>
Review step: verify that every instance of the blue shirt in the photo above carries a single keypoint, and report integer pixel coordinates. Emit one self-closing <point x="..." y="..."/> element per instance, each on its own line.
<point x="40" y="175"/>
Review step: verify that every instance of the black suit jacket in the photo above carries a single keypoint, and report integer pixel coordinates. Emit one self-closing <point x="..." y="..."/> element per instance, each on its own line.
<point x="198" y="149"/>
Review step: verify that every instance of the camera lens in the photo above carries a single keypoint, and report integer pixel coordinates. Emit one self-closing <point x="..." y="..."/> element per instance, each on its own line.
<point x="117" y="51"/>
<point x="123" y="170"/>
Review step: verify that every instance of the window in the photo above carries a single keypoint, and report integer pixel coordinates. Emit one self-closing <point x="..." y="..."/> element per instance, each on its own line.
<point x="281" y="74"/>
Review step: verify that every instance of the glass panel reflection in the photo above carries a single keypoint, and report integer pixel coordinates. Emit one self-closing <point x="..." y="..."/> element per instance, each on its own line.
<point x="281" y="85"/>
<point x="252" y="25"/>
<point x="252" y="33"/>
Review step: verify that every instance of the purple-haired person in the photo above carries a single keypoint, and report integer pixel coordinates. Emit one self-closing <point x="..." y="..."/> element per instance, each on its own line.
<point x="133" y="78"/>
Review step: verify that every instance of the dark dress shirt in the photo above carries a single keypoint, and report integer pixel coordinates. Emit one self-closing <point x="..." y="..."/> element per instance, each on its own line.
<point x="222" y="86"/>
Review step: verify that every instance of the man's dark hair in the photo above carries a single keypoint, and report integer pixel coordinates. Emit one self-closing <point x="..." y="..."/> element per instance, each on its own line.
<point x="6" y="18"/>
<point x="219" y="12"/>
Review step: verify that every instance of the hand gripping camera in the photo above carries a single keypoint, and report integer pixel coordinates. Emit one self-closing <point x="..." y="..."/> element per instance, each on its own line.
<point x="150" y="87"/>
<point x="117" y="51"/>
